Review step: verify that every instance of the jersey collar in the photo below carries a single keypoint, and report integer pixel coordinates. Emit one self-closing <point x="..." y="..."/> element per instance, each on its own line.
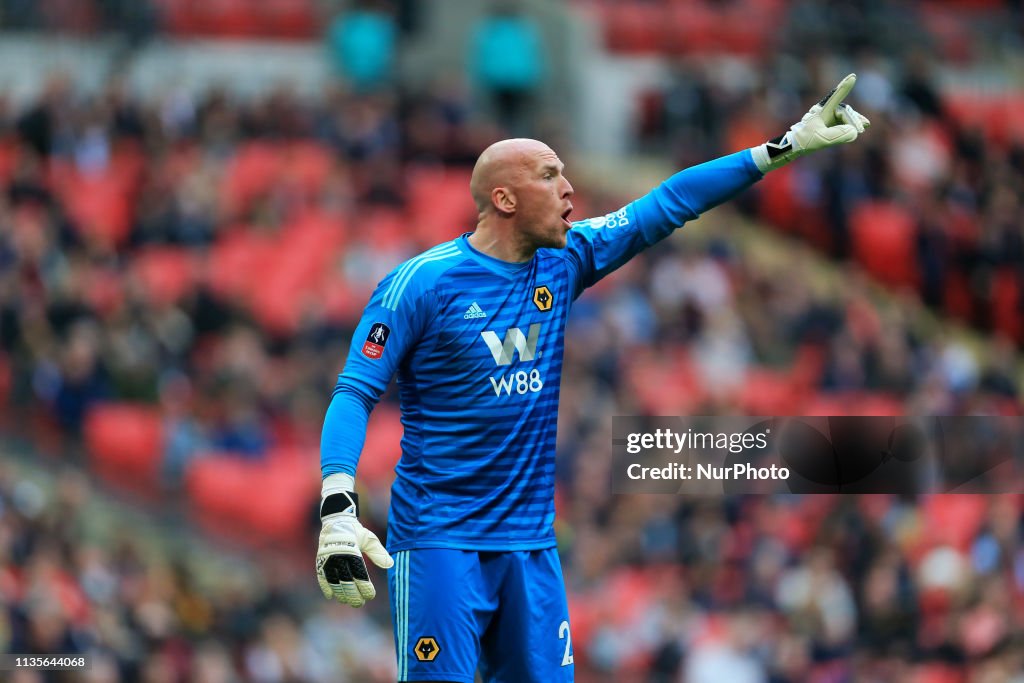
<point x="503" y="268"/>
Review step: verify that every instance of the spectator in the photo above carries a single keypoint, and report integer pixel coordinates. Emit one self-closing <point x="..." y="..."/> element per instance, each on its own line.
<point x="507" y="62"/>
<point x="361" y="43"/>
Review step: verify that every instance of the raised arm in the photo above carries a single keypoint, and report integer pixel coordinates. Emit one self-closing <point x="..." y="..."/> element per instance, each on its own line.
<point x="597" y="246"/>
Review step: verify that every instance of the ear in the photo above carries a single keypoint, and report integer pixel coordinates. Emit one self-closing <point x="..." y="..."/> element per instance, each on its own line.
<point x="504" y="199"/>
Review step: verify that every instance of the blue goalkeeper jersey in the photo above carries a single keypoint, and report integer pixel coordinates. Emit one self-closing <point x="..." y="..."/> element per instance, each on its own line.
<point x="477" y="346"/>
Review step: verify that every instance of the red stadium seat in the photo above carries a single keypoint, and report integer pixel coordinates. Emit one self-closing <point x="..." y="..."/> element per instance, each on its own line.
<point x="99" y="205"/>
<point x="241" y="18"/>
<point x="666" y="386"/>
<point x="238" y="259"/>
<point x="305" y="167"/>
<point x="995" y="113"/>
<point x="125" y="444"/>
<point x="968" y="108"/>
<point x="217" y="485"/>
<point x="691" y="28"/>
<point x="688" y="27"/>
<point x="883" y="241"/>
<point x="277" y="306"/>
<point x="289" y="19"/>
<point x="769" y="392"/>
<point x="451" y="210"/>
<point x="384" y="228"/>
<point x="166" y="273"/>
<point x="9" y="153"/>
<point x="635" y="28"/>
<point x="281" y="298"/>
<point x="746" y="28"/>
<point x="314" y="238"/>
<point x="306" y="250"/>
<point x="226" y="18"/>
<point x="257" y="504"/>
<point x="794" y="527"/>
<point x="292" y="489"/>
<point x="953" y="518"/>
<point x="780" y="199"/>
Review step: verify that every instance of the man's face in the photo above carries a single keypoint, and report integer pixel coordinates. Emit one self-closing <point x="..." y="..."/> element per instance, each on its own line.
<point x="543" y="197"/>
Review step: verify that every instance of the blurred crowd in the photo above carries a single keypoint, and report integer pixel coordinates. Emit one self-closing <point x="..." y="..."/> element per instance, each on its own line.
<point x="757" y="589"/>
<point x="808" y="589"/>
<point x="228" y="384"/>
<point x="77" y="324"/>
<point x="80" y="326"/>
<point x="928" y="200"/>
<point x="144" y="615"/>
<point x="339" y="190"/>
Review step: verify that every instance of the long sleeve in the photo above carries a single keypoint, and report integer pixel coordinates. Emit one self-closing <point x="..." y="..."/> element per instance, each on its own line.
<point x="391" y="327"/>
<point x="597" y="246"/>
<point x="344" y="432"/>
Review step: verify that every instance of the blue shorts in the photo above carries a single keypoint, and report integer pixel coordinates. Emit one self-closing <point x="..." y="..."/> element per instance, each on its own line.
<point x="455" y="610"/>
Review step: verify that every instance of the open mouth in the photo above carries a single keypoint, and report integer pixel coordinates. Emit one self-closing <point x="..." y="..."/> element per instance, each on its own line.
<point x="565" y="215"/>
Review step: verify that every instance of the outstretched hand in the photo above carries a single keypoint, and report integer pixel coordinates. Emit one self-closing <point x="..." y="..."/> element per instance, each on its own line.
<point x="829" y="122"/>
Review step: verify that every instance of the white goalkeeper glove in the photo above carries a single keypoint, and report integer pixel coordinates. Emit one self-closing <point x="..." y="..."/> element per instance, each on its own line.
<point x="828" y="123"/>
<point x="340" y="568"/>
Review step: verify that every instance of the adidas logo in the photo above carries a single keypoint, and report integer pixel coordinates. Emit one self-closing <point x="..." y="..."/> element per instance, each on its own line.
<point x="474" y="312"/>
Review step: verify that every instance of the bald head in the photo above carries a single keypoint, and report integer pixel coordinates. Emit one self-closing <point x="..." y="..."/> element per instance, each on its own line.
<point x="501" y="165"/>
<point x="523" y="200"/>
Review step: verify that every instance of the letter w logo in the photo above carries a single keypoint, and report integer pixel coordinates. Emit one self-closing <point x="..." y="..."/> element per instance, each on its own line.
<point x="514" y="341"/>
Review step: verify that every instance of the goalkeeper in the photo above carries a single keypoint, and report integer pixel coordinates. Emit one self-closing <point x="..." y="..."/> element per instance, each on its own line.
<point x="474" y="328"/>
